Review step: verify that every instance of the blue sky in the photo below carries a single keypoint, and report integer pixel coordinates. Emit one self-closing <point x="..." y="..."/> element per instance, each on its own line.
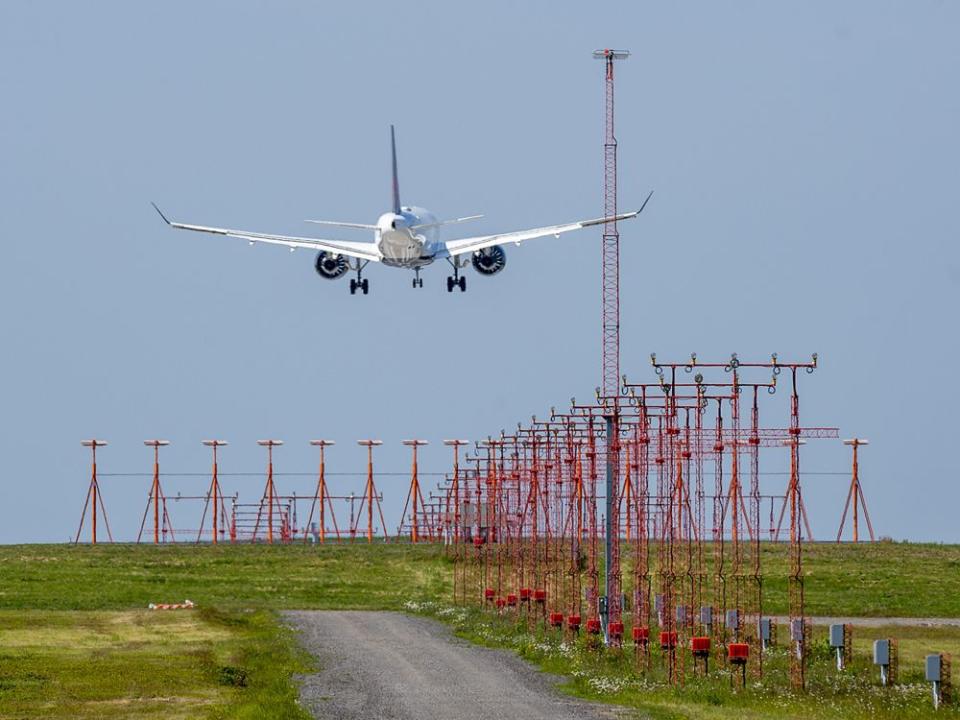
<point x="806" y="167"/>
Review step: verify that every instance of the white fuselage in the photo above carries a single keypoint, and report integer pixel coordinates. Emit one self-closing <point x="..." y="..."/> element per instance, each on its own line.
<point x="408" y="239"/>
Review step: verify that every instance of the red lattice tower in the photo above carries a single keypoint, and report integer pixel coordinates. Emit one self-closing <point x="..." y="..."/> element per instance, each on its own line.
<point x="611" y="237"/>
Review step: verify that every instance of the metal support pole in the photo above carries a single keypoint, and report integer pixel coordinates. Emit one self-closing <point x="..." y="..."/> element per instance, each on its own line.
<point x="93" y="496"/>
<point x="215" y="497"/>
<point x="370" y="495"/>
<point x="455" y="487"/>
<point x="855" y="495"/>
<point x="155" y="492"/>
<point x="611" y="508"/>
<point x="321" y="496"/>
<point x="269" y="491"/>
<point x="415" y="496"/>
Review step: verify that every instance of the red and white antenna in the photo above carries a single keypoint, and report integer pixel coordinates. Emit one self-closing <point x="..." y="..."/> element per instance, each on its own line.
<point x="610" y="382"/>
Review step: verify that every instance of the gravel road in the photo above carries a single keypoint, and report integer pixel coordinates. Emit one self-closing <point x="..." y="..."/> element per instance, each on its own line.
<point x="391" y="666"/>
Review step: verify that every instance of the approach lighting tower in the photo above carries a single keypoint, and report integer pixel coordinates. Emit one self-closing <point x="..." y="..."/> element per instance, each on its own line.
<point x="855" y="494"/>
<point x="214" y="497"/>
<point x="156" y="498"/>
<point x="93" y="493"/>
<point x="269" y="492"/>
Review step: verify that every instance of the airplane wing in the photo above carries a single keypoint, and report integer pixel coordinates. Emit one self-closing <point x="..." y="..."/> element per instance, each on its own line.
<point x="360" y="250"/>
<point x="467" y="245"/>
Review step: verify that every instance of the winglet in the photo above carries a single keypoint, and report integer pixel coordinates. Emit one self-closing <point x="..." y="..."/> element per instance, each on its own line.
<point x="160" y="213"/>
<point x="645" y="202"/>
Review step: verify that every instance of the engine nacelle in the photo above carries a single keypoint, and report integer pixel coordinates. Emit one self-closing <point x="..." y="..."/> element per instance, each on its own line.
<point x="331" y="266"/>
<point x="490" y="261"/>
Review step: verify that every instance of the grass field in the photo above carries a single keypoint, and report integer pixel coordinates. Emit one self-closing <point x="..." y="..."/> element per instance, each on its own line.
<point x="76" y="639"/>
<point x="142" y="664"/>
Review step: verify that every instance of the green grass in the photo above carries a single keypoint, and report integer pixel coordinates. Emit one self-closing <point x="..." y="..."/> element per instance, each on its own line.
<point x="144" y="664"/>
<point x="76" y="639"/>
<point x="119" y="577"/>
<point x="883" y="579"/>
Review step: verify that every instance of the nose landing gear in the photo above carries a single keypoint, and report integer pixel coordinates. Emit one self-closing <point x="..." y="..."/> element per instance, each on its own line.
<point x="417" y="280"/>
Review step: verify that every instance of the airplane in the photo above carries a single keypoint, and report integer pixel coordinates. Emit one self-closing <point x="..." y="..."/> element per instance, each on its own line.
<point x="406" y="237"/>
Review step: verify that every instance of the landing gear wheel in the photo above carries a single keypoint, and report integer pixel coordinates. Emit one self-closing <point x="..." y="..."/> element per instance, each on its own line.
<point x="462" y="282"/>
<point x="353" y="286"/>
<point x="365" y="286"/>
<point x="449" y="283"/>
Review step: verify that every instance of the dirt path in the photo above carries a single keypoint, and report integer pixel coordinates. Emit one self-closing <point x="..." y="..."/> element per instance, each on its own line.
<point x="390" y="666"/>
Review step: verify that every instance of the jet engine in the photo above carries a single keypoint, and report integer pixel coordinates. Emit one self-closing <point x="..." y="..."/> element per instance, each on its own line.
<point x="490" y="261"/>
<point x="331" y="266"/>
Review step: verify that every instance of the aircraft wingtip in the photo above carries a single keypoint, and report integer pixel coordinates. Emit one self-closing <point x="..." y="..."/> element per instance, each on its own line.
<point x="650" y="195"/>
<point x="160" y="212"/>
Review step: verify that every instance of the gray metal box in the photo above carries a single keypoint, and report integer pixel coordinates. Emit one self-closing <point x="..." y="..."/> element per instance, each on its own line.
<point x="836" y="636"/>
<point x="733" y="619"/>
<point x="765" y="629"/>
<point x="658" y="603"/>
<point x="881" y="652"/>
<point x="933" y="668"/>
<point x="796" y="629"/>
<point x="682" y="614"/>
<point x="706" y="615"/>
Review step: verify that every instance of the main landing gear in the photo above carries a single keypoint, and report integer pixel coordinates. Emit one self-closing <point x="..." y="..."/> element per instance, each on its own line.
<point x="360" y="283"/>
<point x="363" y="285"/>
<point x="456" y="280"/>
<point x="417" y="280"/>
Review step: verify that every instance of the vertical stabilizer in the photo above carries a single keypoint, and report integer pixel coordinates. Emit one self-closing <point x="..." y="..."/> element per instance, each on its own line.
<point x="396" y="181"/>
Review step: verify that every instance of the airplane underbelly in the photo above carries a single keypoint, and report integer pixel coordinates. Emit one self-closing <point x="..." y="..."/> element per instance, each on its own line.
<point x="401" y="249"/>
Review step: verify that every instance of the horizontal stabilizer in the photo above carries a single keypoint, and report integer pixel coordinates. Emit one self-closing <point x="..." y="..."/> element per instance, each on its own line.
<point x="334" y="223"/>
<point x="440" y="223"/>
